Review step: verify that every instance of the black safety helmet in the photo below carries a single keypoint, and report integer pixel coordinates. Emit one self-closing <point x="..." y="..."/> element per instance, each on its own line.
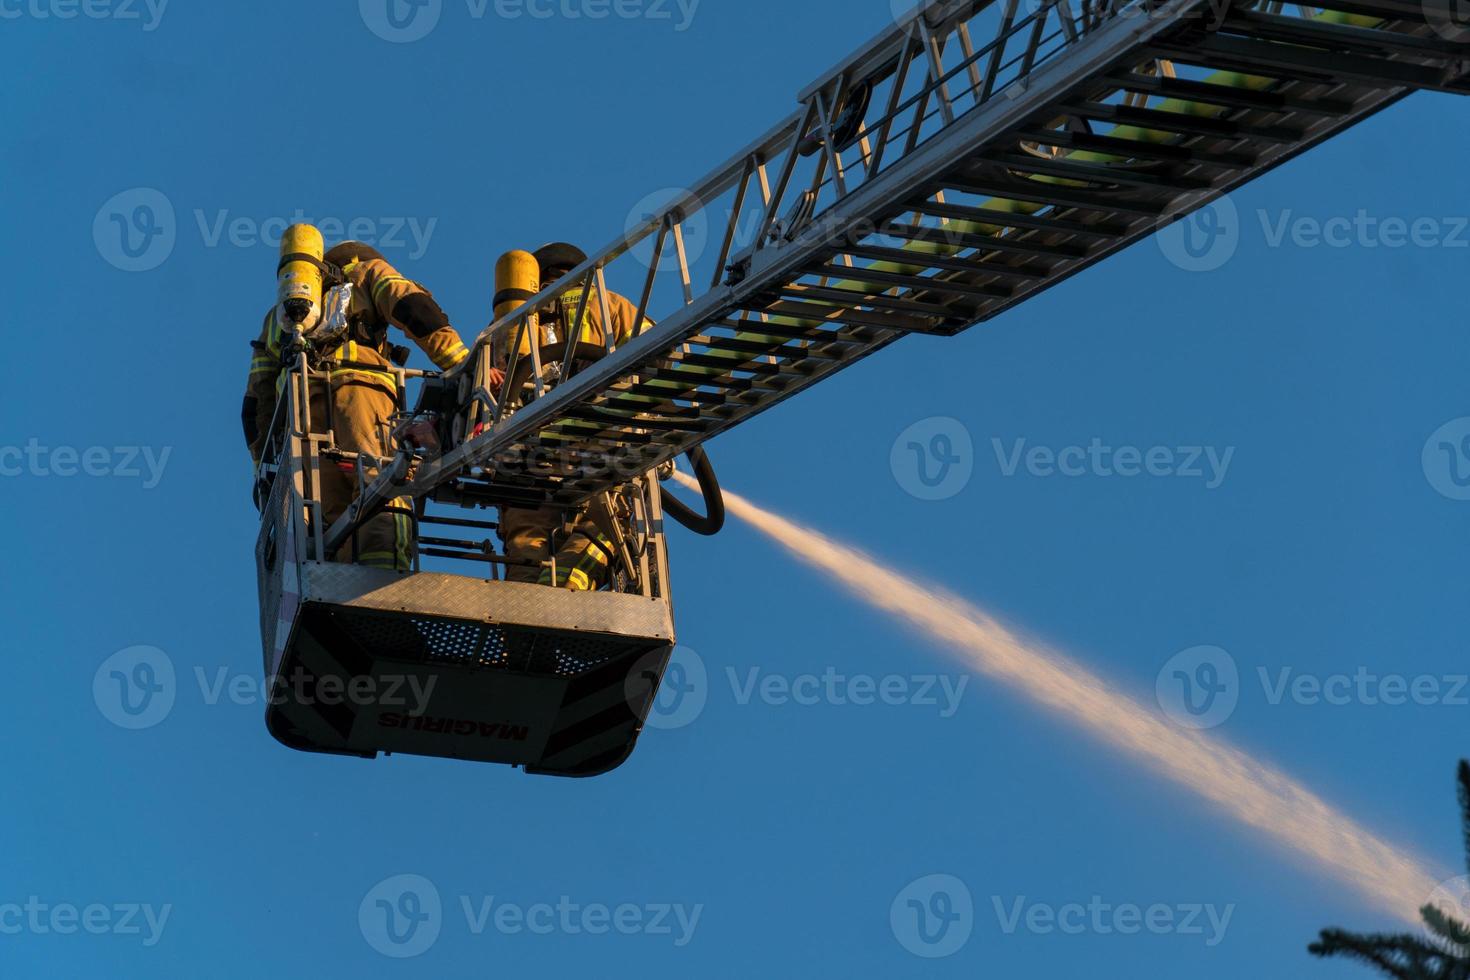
<point x="348" y="252"/>
<point x="558" y="257"/>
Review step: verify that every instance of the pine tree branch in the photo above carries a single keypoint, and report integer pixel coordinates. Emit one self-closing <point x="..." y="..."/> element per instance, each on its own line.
<point x="1369" y="949"/>
<point x="1464" y="793"/>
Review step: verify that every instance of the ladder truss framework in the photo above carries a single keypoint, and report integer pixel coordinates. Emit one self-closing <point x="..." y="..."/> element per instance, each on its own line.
<point x="970" y="157"/>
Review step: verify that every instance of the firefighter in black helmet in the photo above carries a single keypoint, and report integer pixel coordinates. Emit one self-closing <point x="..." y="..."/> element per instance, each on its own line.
<point x="579" y="541"/>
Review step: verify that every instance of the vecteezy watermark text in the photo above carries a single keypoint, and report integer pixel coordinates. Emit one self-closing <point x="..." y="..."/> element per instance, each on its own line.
<point x="1101" y="918"/>
<point x="407" y="21"/>
<point x="1364" y="687"/>
<point x="1201" y="688"/>
<point x="1097" y="459"/>
<point x="68" y="462"/>
<point x="833" y="688"/>
<point x="138" y="229"/>
<point x="137" y="689"/>
<point x="566" y="917"/>
<point x="687" y="686"/>
<point x="382" y="232"/>
<point x="38" y="918"/>
<point x="149" y="13"/>
<point x="403" y="916"/>
<point x="1210" y="237"/>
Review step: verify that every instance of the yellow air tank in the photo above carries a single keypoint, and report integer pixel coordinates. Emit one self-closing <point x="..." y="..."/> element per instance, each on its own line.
<point x="517" y="279"/>
<point x="299" y="279"/>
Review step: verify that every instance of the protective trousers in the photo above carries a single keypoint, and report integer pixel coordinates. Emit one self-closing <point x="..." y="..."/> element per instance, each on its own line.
<point x="582" y="549"/>
<point x="359" y="416"/>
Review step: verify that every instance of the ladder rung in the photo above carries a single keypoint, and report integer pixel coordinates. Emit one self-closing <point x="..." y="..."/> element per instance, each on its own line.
<point x="614" y="421"/>
<point x="991" y="216"/>
<point x="882" y="302"/>
<point x="612" y="402"/>
<point x="1410" y="10"/>
<point x="1162" y="152"/>
<point x="597" y="450"/>
<point x="950" y="236"/>
<point x="1095" y="173"/>
<point x="844" y="314"/>
<point x="461" y="555"/>
<point x="718" y="344"/>
<point x="727" y="364"/>
<point x="901" y="257"/>
<point x="702" y="397"/>
<point x="459" y="522"/>
<point x="543" y="442"/>
<point x="1057" y="196"/>
<point x="916" y="283"/>
<point x="1225" y="95"/>
<point x="477" y="547"/>
<point x="1363" y="39"/>
<point x="1272" y="58"/>
<point x="1181" y="123"/>
<point x="787" y="332"/>
<point x="731" y="384"/>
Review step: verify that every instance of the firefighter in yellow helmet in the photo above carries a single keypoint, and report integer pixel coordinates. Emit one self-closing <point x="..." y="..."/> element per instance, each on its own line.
<point x="580" y="542"/>
<point x="363" y="391"/>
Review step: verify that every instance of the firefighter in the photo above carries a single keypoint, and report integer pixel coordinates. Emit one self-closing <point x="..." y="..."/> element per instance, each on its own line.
<point x="362" y="393"/>
<point x="580" y="542"/>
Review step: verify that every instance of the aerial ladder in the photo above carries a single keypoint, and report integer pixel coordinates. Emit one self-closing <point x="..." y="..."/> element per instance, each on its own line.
<point x="969" y="157"/>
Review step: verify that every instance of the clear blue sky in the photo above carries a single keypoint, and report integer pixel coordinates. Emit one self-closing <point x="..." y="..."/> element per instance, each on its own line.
<point x="795" y="828"/>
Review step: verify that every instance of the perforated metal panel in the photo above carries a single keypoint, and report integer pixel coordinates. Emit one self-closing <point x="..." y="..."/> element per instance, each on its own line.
<point x="481" y="645"/>
<point x="464" y="643"/>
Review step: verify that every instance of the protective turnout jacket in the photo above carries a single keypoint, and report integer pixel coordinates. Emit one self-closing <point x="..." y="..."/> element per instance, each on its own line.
<point x="381" y="297"/>
<point x="594" y="333"/>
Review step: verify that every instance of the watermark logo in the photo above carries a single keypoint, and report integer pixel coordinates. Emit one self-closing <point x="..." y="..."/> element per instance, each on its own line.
<point x="1449" y="18"/>
<point x="1204" y="240"/>
<point x="1447" y="459"/>
<point x="933" y="917"/>
<point x="401" y="21"/>
<point x="135" y="688"/>
<point x="938" y="12"/>
<point x="1452" y="898"/>
<point x="903" y="14"/>
<point x="681" y="697"/>
<point x="136" y="230"/>
<point x="694" y="229"/>
<point x="402" y="916"/>
<point x="1199" y="688"/>
<point x="933" y="459"/>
